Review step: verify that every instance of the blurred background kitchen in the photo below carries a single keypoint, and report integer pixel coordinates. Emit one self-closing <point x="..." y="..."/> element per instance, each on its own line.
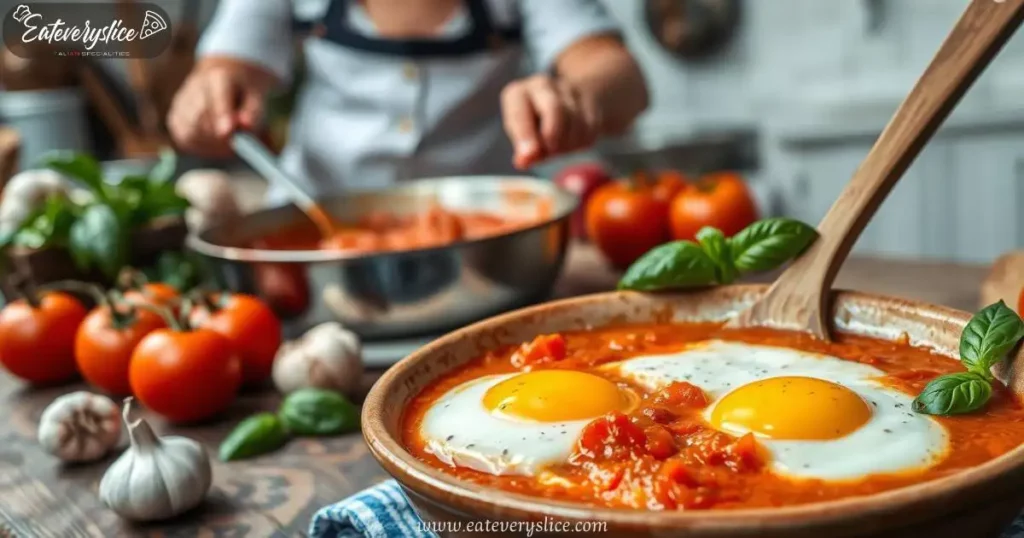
<point x="791" y="93"/>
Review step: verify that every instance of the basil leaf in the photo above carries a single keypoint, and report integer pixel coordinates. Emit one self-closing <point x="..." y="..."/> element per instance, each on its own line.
<point x="717" y="247"/>
<point x="164" y="170"/>
<point x="318" y="412"/>
<point x="988" y="336"/>
<point x="767" y="244"/>
<point x="49" y="225"/>
<point x="954" y="394"/>
<point x="161" y="200"/>
<point x="679" y="264"/>
<point x="97" y="239"/>
<point x="255" y="435"/>
<point x="80" y="167"/>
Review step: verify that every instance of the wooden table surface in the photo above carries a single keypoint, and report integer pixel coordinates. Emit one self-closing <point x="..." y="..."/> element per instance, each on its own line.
<point x="277" y="494"/>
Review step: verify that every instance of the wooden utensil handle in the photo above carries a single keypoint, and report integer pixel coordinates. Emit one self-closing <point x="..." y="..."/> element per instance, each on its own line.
<point x="799" y="298"/>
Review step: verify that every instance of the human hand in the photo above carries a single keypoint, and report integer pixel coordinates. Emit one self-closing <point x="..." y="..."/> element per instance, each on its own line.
<point x="546" y="116"/>
<point x="220" y="96"/>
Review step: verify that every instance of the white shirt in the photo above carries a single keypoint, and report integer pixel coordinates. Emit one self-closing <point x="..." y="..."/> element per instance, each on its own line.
<point x="367" y="120"/>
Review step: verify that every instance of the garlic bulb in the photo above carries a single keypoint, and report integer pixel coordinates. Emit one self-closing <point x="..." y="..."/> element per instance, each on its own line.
<point x="25" y="192"/>
<point x="80" y="426"/>
<point x="211" y="198"/>
<point x="157" y="477"/>
<point x="328" y="356"/>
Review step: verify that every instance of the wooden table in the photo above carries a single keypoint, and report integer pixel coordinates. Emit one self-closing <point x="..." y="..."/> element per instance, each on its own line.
<point x="277" y="494"/>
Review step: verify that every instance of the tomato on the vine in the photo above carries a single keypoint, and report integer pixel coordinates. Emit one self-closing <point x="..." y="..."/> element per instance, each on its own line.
<point x="185" y="375"/>
<point x="719" y="200"/>
<point x="37" y="337"/>
<point x="153" y="293"/>
<point x="106" y="340"/>
<point x="625" y="219"/>
<point x="250" y="325"/>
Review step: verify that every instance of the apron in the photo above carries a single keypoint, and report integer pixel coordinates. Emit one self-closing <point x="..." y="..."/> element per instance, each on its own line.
<point x="484" y="35"/>
<point x="481" y="40"/>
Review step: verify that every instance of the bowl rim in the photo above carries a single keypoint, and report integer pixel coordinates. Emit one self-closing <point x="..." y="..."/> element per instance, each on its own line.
<point x="423" y="479"/>
<point x="198" y="242"/>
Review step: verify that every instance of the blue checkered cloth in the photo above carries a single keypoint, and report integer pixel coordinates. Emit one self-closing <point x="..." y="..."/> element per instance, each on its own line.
<point x="383" y="511"/>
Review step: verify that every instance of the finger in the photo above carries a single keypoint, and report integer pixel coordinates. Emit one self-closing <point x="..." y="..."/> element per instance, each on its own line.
<point x="520" y="124"/>
<point x="221" y="100"/>
<point x="549" y="110"/>
<point x="251" y="111"/>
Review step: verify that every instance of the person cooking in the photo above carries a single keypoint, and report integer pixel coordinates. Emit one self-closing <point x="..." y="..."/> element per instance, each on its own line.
<point x="400" y="89"/>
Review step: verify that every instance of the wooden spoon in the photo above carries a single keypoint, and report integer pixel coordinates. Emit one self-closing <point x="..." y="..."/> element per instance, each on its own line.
<point x="800" y="298"/>
<point x="256" y="155"/>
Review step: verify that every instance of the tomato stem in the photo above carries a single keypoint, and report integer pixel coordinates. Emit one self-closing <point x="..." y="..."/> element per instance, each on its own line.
<point x="169" y="318"/>
<point x="131" y="278"/>
<point x="25" y="287"/>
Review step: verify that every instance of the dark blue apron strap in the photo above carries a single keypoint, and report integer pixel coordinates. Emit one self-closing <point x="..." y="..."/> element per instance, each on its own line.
<point x="482" y="36"/>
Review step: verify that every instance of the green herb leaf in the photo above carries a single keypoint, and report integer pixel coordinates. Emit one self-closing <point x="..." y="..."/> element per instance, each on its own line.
<point x="767" y="244"/>
<point x="318" y="412"/>
<point x="717" y="247"/>
<point x="97" y="239"/>
<point x="80" y="167"/>
<point x="679" y="264"/>
<point x="164" y="170"/>
<point x="954" y="394"/>
<point x="990" y="334"/>
<point x="177" y="269"/>
<point x="255" y="435"/>
<point x="49" y="225"/>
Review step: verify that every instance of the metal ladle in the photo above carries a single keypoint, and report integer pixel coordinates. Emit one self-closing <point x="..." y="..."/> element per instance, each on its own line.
<point x="259" y="157"/>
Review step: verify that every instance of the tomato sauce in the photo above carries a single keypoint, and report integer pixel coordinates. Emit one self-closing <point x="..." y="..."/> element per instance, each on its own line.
<point x="662" y="456"/>
<point x="383" y="231"/>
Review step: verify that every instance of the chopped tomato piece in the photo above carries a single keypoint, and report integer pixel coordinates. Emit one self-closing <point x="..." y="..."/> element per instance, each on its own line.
<point x="682" y="394"/>
<point x="658" y="414"/>
<point x="611" y="437"/>
<point x="686" y="427"/>
<point x="743" y="454"/>
<point x="542" y="349"/>
<point x="660" y="443"/>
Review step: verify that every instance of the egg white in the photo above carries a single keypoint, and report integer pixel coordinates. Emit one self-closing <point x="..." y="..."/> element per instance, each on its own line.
<point x="895" y="439"/>
<point x="460" y="431"/>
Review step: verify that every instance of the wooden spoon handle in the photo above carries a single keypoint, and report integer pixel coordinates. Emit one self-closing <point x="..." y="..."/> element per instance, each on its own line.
<point x="799" y="299"/>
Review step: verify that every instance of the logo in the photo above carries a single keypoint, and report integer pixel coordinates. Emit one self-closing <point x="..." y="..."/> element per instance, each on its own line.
<point x="101" y="30"/>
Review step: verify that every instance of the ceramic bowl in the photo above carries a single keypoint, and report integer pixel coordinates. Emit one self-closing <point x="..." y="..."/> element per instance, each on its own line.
<point x="978" y="502"/>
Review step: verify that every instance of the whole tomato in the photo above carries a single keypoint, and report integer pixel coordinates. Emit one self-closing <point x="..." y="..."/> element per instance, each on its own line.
<point x="106" y="340"/>
<point x="252" y="328"/>
<point x="185" y="375"/>
<point x="37" y="338"/>
<point x="1020" y="302"/>
<point x="625" y="220"/>
<point x="284" y="286"/>
<point x="153" y="293"/>
<point x="667" y="184"/>
<point x="720" y="200"/>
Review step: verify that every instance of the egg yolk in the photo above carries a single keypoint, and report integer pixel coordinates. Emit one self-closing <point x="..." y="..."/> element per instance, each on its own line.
<point x="794" y="408"/>
<point x="557" y="395"/>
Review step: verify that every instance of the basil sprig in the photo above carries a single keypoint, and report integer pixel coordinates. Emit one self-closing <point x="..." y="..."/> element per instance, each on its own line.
<point x="305" y="412"/>
<point x="987" y="338"/>
<point x="716" y="259"/>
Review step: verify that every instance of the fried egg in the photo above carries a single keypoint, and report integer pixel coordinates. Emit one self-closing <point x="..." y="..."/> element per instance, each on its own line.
<point x="817" y="416"/>
<point x="519" y="423"/>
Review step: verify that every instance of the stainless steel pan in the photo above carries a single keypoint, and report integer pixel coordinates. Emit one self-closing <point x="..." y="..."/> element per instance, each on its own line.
<point x="408" y="293"/>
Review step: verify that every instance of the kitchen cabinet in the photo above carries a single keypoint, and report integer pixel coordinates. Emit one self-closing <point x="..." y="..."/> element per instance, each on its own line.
<point x="960" y="200"/>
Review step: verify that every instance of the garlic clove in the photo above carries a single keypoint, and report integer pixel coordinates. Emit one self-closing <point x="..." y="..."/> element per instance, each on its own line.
<point x="80" y="427"/>
<point x="157" y="477"/>
<point x="328" y="356"/>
